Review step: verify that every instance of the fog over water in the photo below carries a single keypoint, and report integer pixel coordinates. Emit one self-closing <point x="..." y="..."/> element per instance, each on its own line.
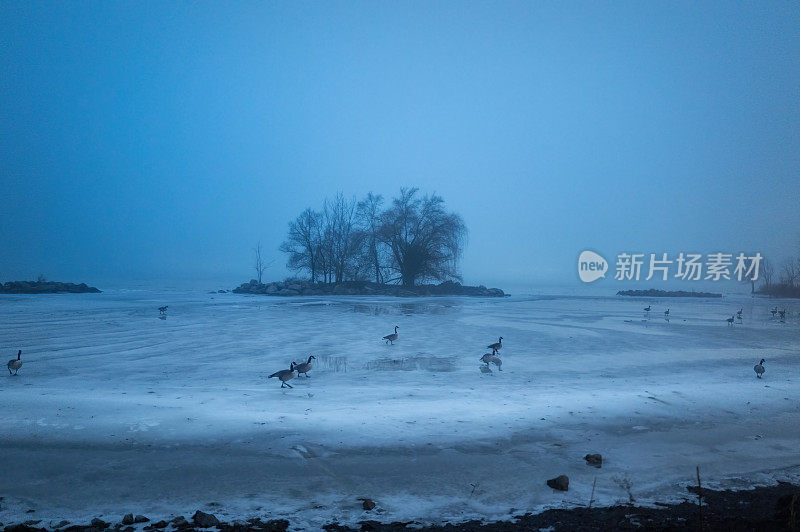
<point x="162" y="142"/>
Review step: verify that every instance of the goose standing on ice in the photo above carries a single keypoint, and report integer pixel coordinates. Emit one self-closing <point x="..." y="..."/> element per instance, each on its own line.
<point x="730" y="320"/>
<point x="647" y="308"/>
<point x="285" y="375"/>
<point x="782" y="314"/>
<point x="489" y="357"/>
<point x="739" y="313"/>
<point x="390" y="338"/>
<point x="666" y="313"/>
<point x="163" y="310"/>
<point x="495" y="347"/>
<point x="15" y="363"/>
<point x="759" y="368"/>
<point x="774" y="311"/>
<point x="304" y="367"/>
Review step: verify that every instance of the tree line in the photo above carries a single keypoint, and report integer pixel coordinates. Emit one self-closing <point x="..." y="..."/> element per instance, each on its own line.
<point x="782" y="281"/>
<point x="414" y="239"/>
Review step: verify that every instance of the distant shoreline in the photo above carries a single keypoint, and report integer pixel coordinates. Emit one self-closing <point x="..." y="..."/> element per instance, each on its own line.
<point x="46" y="287"/>
<point x="666" y="293"/>
<point x="296" y="287"/>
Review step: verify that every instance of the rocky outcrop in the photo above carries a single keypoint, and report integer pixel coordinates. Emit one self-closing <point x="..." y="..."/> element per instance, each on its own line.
<point x="46" y="287"/>
<point x="296" y="287"/>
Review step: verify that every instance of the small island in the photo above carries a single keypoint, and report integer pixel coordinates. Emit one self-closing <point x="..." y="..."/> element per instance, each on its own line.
<point x="360" y="248"/>
<point x="666" y="293"/>
<point x="46" y="287"/>
<point x="300" y="287"/>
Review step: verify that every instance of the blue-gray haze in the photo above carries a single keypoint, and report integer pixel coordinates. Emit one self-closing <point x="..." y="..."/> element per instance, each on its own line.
<point x="164" y="140"/>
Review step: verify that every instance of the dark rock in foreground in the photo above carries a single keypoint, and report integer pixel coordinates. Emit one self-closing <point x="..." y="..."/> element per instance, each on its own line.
<point x="204" y="520"/>
<point x="296" y="287"/>
<point x="46" y="287"/>
<point x="560" y="483"/>
<point x="368" y="504"/>
<point x="595" y="460"/>
<point x="666" y="293"/>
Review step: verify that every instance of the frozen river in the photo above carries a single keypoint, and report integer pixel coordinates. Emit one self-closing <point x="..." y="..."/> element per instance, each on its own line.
<point x="117" y="411"/>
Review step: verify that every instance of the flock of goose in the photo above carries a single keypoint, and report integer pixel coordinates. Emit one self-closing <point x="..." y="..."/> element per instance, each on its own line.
<point x="732" y="320"/>
<point x="295" y="369"/>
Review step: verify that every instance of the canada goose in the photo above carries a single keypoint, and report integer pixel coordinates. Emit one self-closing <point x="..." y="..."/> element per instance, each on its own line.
<point x="666" y="313"/>
<point x="759" y="368"/>
<point x="163" y="310"/>
<point x="496" y="346"/>
<point x="390" y="338"/>
<point x="647" y="308"/>
<point x="739" y="312"/>
<point x="304" y="367"/>
<point x="489" y="357"/>
<point x="15" y="364"/>
<point x="730" y="320"/>
<point x="782" y="314"/>
<point x="774" y="311"/>
<point x="285" y="375"/>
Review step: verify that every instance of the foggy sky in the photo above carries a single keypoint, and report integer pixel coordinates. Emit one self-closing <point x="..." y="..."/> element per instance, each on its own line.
<point x="164" y="140"/>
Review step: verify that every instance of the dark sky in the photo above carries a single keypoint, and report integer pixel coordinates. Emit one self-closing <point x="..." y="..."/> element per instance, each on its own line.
<point x="155" y="140"/>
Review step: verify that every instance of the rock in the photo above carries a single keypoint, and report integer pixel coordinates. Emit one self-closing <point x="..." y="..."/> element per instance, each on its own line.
<point x="45" y="287"/>
<point x="159" y="525"/>
<point x="595" y="460"/>
<point x="180" y="522"/>
<point x="61" y="524"/>
<point x="287" y="292"/>
<point x="140" y="519"/>
<point x="273" y="525"/>
<point x="368" y="504"/>
<point x="204" y="520"/>
<point x="127" y="519"/>
<point x="99" y="523"/>
<point x="271" y="289"/>
<point x="560" y="483"/>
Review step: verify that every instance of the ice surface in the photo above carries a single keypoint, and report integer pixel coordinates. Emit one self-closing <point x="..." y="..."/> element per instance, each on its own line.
<point x="116" y="410"/>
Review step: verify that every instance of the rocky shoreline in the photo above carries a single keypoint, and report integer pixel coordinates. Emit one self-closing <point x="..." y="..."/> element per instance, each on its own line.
<point x="46" y="287"/>
<point x="298" y="287"/>
<point x="763" y="508"/>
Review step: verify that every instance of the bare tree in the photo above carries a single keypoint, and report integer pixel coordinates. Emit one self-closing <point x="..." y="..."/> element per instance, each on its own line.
<point x="767" y="272"/>
<point x="260" y="264"/>
<point x="340" y="240"/>
<point x="368" y="213"/>
<point x="425" y="241"/>
<point x="303" y="243"/>
<point x="790" y="273"/>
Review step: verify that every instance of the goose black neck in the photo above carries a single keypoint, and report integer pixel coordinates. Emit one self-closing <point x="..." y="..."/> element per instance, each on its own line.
<point x="19" y="354"/>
